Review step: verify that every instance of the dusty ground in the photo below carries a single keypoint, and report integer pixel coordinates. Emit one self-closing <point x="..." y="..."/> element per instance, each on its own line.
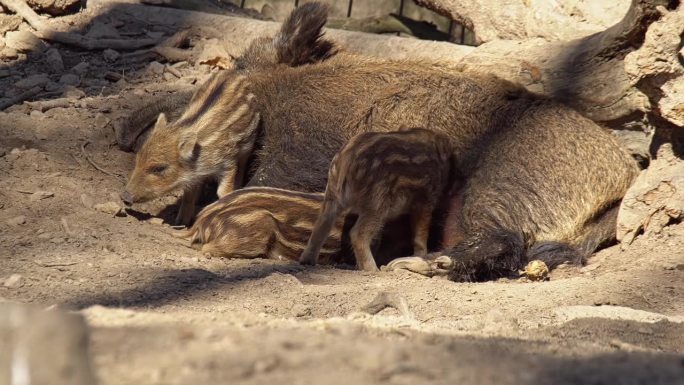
<point x="162" y="313"/>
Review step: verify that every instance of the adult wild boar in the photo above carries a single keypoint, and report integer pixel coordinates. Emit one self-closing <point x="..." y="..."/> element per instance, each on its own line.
<point x="541" y="180"/>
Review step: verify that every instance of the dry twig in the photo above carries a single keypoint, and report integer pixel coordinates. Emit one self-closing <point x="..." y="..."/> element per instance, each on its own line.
<point x="98" y="168"/>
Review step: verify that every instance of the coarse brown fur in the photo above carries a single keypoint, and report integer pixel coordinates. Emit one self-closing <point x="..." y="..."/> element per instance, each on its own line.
<point x="213" y="139"/>
<point x="380" y="176"/>
<point x="263" y="222"/>
<point x="133" y="131"/>
<point x="538" y="175"/>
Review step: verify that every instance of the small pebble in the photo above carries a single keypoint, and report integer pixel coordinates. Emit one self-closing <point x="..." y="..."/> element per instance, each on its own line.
<point x="70" y="79"/>
<point x="87" y="201"/>
<point x="112" y="208"/>
<point x="35" y="114"/>
<point x="54" y="60"/>
<point x="14" y="281"/>
<point x="80" y="68"/>
<point x="156" y="68"/>
<point x="156" y="221"/>
<point x="110" y="55"/>
<point x="16" y="221"/>
<point x="101" y="120"/>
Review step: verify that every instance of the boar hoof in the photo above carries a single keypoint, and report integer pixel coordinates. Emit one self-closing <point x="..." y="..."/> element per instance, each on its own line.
<point x="184" y="217"/>
<point x="307" y="259"/>
<point x="439" y="266"/>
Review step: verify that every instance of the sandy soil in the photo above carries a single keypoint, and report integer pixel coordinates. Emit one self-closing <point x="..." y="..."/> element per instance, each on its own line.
<point x="161" y="313"/>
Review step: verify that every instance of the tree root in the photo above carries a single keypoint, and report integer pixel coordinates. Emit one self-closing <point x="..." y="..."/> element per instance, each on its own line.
<point x="46" y="32"/>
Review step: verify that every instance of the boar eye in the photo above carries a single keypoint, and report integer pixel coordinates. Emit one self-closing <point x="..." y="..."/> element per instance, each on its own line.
<point x="157" y="169"/>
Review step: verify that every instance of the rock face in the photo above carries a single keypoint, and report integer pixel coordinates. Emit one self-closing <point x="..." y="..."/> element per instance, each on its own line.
<point x="655" y="199"/>
<point x="43" y="347"/>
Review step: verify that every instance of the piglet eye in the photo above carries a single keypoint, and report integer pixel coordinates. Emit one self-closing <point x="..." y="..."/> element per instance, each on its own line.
<point x="157" y="169"/>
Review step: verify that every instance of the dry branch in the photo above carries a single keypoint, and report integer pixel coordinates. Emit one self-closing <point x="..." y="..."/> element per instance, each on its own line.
<point x="21" y="97"/>
<point x="46" y="32"/>
<point x="99" y="168"/>
<point x="167" y="48"/>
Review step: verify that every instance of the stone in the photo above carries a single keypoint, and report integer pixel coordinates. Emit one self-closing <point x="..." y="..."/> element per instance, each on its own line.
<point x="39" y="80"/>
<point x="9" y="53"/>
<point x="110" y="55"/>
<point x="53" y="86"/>
<point x="80" y="68"/>
<point x="87" y="201"/>
<point x="112" y="208"/>
<point x="156" y="68"/>
<point x="16" y="221"/>
<point x="101" y="120"/>
<point x="35" y="114"/>
<point x="9" y="23"/>
<point x="54" y="60"/>
<point x="156" y="221"/>
<point x="73" y="93"/>
<point x="70" y="79"/>
<point x="24" y="41"/>
<point x="14" y="281"/>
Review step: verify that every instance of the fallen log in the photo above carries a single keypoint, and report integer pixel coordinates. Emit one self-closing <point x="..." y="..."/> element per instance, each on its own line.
<point x="587" y="73"/>
<point x="237" y="33"/>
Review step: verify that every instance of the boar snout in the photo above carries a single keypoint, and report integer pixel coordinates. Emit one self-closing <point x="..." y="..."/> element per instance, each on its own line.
<point x="127" y="198"/>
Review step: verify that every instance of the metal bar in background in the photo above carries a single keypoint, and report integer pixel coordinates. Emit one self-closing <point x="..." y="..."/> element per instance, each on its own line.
<point x="351" y="3"/>
<point x="462" y="34"/>
<point x="296" y="3"/>
<point x="242" y="3"/>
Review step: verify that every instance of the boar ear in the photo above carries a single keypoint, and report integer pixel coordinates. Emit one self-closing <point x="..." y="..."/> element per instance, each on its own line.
<point x="300" y="38"/>
<point x="188" y="148"/>
<point x="161" y="121"/>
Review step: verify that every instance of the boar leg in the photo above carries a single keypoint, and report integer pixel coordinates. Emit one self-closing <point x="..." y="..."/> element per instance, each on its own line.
<point x="420" y="221"/>
<point x="320" y="232"/>
<point x="362" y="234"/>
<point x="186" y="211"/>
<point x="227" y="183"/>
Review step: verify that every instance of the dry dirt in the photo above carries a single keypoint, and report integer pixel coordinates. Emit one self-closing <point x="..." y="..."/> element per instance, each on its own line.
<point x="162" y="313"/>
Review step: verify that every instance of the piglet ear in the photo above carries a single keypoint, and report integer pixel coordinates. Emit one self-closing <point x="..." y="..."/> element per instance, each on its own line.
<point x="188" y="148"/>
<point x="161" y="121"/>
